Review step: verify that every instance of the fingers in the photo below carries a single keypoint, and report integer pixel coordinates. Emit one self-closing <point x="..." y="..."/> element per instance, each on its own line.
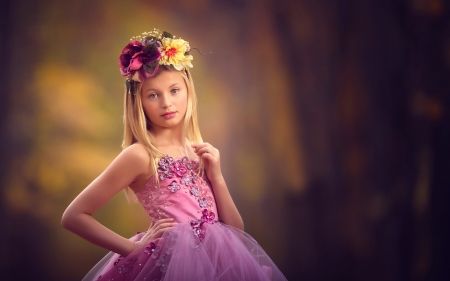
<point x="155" y="231"/>
<point x="159" y="222"/>
<point x="161" y="231"/>
<point x="159" y="227"/>
<point x="205" y="150"/>
<point x="207" y="156"/>
<point x="198" y="146"/>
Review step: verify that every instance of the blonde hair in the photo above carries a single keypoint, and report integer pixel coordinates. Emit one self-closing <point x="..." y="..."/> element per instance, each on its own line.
<point x="137" y="126"/>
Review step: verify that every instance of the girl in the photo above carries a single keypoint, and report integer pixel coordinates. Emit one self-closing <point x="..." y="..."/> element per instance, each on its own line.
<point x="196" y="231"/>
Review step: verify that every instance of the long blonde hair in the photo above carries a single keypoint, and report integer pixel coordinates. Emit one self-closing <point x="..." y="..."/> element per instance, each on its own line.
<point x="137" y="126"/>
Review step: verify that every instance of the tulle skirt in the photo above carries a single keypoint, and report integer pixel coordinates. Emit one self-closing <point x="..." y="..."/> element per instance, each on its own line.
<point x="224" y="253"/>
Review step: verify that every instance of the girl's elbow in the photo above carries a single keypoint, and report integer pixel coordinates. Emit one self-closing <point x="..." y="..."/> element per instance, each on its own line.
<point x="241" y="225"/>
<point x="67" y="219"/>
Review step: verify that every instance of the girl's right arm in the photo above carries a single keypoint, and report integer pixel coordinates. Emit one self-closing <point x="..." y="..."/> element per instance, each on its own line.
<point x="132" y="163"/>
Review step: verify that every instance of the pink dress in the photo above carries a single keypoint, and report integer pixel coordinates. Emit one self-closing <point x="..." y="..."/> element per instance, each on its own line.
<point x="200" y="247"/>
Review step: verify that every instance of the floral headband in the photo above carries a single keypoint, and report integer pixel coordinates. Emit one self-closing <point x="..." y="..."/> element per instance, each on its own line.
<point x="141" y="58"/>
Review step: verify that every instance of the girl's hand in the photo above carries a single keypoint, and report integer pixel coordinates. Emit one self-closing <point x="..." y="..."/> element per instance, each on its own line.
<point x="227" y="211"/>
<point x="155" y="231"/>
<point x="211" y="159"/>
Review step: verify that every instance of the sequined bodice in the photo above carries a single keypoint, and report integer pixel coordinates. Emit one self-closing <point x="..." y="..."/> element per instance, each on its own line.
<point x="179" y="193"/>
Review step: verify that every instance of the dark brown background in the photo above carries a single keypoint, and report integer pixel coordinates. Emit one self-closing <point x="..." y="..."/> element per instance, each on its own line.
<point x="332" y="118"/>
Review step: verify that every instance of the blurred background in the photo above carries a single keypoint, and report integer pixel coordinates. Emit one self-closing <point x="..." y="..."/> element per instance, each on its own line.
<point x="332" y="118"/>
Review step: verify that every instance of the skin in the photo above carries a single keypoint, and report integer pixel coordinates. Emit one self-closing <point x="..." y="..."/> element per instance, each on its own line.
<point x="164" y="93"/>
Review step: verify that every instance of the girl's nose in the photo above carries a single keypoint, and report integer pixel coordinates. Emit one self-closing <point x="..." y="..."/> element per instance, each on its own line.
<point x="166" y="102"/>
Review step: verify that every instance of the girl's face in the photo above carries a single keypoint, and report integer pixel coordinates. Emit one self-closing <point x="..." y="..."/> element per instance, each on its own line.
<point x="164" y="99"/>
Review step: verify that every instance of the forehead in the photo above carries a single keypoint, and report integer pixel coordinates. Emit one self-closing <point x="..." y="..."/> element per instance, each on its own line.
<point x="165" y="79"/>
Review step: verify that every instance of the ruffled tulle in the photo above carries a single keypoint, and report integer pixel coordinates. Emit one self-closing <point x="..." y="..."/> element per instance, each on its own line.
<point x="224" y="253"/>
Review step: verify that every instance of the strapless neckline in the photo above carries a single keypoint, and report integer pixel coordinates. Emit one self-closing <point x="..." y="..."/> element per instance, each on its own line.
<point x="184" y="159"/>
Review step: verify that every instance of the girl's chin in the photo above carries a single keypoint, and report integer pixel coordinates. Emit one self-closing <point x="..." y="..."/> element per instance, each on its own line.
<point x="168" y="124"/>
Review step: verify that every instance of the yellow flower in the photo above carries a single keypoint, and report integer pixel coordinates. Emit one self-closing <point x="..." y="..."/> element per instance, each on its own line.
<point x="173" y="53"/>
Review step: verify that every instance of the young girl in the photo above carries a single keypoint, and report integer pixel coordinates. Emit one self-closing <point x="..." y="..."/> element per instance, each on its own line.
<point x="196" y="231"/>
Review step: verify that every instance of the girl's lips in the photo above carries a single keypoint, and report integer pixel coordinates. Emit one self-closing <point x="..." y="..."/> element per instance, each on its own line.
<point x="169" y="115"/>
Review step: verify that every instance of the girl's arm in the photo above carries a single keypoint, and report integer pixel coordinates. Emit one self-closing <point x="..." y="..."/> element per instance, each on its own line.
<point x="131" y="164"/>
<point x="228" y="212"/>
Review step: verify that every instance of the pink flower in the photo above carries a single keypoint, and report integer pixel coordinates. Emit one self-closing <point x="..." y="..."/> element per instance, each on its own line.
<point x="200" y="233"/>
<point x="173" y="186"/>
<point x="196" y="224"/>
<point x="128" y="52"/>
<point x="202" y="202"/>
<point x="150" y="248"/>
<point x="197" y="227"/>
<point x="208" y="216"/>
<point x="178" y="168"/>
<point x="135" y="55"/>
<point x="195" y="191"/>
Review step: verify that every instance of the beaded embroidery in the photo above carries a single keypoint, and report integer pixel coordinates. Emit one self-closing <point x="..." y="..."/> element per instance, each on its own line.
<point x="126" y="267"/>
<point x="173" y="186"/>
<point x="150" y="248"/>
<point x="181" y="173"/>
<point x="207" y="217"/>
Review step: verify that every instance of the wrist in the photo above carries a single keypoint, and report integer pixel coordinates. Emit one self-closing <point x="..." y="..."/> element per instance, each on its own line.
<point x="131" y="247"/>
<point x="217" y="180"/>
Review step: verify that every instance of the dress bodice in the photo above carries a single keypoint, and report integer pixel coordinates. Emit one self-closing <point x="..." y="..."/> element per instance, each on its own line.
<point x="178" y="191"/>
<point x="198" y="247"/>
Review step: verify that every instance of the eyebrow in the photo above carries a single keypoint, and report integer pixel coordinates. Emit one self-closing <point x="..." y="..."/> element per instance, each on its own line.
<point x="174" y="84"/>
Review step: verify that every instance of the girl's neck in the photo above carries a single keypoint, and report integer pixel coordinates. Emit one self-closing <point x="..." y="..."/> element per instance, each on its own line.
<point x="164" y="136"/>
<point x="172" y="142"/>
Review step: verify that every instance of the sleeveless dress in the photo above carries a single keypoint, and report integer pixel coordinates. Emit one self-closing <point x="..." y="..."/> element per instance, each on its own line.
<point x="199" y="247"/>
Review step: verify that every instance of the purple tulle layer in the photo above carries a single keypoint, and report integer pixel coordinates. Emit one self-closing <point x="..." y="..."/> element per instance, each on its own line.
<point x="225" y="253"/>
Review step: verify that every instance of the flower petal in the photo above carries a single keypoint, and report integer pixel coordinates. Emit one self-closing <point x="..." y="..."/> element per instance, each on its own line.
<point x="124" y="71"/>
<point x="135" y="64"/>
<point x="124" y="60"/>
<point x="146" y="75"/>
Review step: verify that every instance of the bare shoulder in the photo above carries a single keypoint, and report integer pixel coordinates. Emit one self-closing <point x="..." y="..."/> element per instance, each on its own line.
<point x="136" y="151"/>
<point x="137" y="161"/>
<point x="135" y="157"/>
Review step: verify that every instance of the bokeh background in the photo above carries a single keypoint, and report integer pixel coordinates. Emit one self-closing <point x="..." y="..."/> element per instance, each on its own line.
<point x="332" y="118"/>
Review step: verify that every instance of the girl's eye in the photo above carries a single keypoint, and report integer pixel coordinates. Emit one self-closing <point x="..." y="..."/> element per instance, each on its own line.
<point x="153" y="96"/>
<point x="174" y="91"/>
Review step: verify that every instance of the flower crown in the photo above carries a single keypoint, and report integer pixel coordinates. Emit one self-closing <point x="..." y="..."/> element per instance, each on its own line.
<point x="141" y="58"/>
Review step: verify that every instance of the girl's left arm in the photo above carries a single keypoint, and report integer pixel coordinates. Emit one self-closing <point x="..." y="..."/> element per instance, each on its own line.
<point x="228" y="212"/>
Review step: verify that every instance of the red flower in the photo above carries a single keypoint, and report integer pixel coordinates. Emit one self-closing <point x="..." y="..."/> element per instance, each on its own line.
<point x="134" y="55"/>
<point x="150" y="248"/>
<point x="208" y="216"/>
<point x="128" y="53"/>
<point x="178" y="168"/>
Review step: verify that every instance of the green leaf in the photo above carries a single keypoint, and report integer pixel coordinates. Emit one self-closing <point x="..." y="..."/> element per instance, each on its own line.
<point x="167" y="34"/>
<point x="150" y="48"/>
<point x="153" y="63"/>
<point x="127" y="84"/>
<point x="150" y="67"/>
